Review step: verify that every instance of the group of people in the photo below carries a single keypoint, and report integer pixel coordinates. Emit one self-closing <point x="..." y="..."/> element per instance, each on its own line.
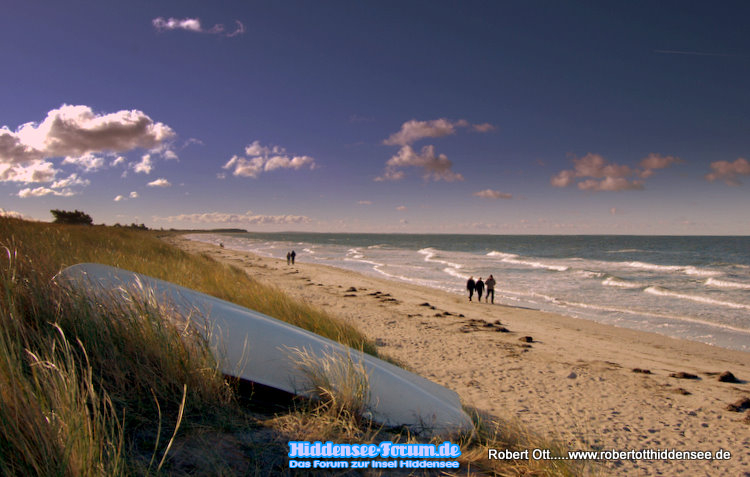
<point x="479" y="286"/>
<point x="290" y="257"/>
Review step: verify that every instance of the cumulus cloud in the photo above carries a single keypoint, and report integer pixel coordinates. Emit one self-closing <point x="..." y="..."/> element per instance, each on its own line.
<point x="729" y="171"/>
<point x="194" y="25"/>
<point x="144" y="166"/>
<point x="592" y="172"/>
<point x="71" y="180"/>
<point x="88" y="162"/>
<point x="35" y="171"/>
<point x="160" y="182"/>
<point x="265" y="159"/>
<point x="77" y="130"/>
<point x="247" y="218"/>
<point x="43" y="191"/>
<point x="656" y="161"/>
<point x="412" y="131"/>
<point x="120" y="198"/>
<point x="435" y="166"/>
<point x="493" y="194"/>
<point x="13" y="214"/>
<point x="60" y="188"/>
<point x="80" y="136"/>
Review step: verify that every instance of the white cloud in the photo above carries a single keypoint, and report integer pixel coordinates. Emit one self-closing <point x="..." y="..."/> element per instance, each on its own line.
<point x="435" y="167"/>
<point x="245" y="167"/>
<point x="119" y="160"/>
<point x="194" y="25"/>
<point x="120" y="198"/>
<point x="35" y="171"/>
<point x="80" y="136"/>
<point x="13" y="151"/>
<point x="594" y="173"/>
<point x="160" y="182"/>
<point x="247" y="218"/>
<point x="483" y="128"/>
<point x="13" y="214"/>
<point x="43" y="191"/>
<point x="77" y="130"/>
<point x="610" y="184"/>
<point x="145" y="165"/>
<point x="364" y="202"/>
<point x="71" y="180"/>
<point x="88" y="162"/>
<point x="493" y="194"/>
<point x="258" y="161"/>
<point x="656" y="161"/>
<point x="412" y="131"/>
<point x="729" y="171"/>
<point x="401" y="208"/>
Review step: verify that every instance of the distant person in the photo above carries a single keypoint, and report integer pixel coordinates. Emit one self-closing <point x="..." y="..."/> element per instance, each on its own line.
<point x="480" y="289"/>
<point x="490" y="283"/>
<point x="292" y="255"/>
<point x="471" y="285"/>
<point x="288" y="258"/>
<point x="221" y="244"/>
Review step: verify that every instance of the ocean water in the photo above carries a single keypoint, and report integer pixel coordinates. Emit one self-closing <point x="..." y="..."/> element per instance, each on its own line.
<point x="696" y="288"/>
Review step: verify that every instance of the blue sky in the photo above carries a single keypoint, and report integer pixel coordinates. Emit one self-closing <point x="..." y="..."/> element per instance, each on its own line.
<point x="442" y="117"/>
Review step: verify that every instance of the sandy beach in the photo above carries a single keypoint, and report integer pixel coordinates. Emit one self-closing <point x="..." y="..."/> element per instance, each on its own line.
<point x="593" y="386"/>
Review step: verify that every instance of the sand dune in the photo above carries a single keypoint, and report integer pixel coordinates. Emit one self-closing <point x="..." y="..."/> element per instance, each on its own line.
<point x="572" y="379"/>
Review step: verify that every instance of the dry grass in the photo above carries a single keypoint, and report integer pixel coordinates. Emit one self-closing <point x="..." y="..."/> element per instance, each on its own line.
<point x="106" y="387"/>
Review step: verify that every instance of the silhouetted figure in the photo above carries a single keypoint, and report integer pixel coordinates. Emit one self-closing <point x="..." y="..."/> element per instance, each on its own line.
<point x="490" y="289"/>
<point x="470" y="285"/>
<point x="288" y="258"/>
<point x="480" y="289"/>
<point x="292" y="255"/>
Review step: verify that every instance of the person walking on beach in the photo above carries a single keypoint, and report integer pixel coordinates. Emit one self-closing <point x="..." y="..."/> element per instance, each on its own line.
<point x="288" y="258"/>
<point x="490" y="289"/>
<point x="470" y="285"/>
<point x="292" y="255"/>
<point x="480" y="289"/>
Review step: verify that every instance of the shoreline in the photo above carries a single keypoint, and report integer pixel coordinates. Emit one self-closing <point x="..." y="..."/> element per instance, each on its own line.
<point x="574" y="381"/>
<point x="720" y="330"/>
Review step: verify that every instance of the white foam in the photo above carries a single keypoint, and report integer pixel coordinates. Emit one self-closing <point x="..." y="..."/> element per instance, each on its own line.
<point x="659" y="291"/>
<point x="501" y="254"/>
<point x="620" y="283"/>
<point x="687" y="270"/>
<point x="590" y="274"/>
<point x="455" y="273"/>
<point x="429" y="256"/>
<point x="727" y="284"/>
<point x="535" y="264"/>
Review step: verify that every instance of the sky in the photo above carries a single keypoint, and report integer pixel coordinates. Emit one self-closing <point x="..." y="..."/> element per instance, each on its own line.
<point x="480" y="117"/>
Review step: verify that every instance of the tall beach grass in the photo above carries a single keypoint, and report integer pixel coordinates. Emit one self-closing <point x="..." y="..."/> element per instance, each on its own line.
<point x="98" y="387"/>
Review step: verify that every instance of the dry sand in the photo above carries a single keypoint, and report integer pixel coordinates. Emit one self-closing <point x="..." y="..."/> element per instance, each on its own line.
<point x="574" y="381"/>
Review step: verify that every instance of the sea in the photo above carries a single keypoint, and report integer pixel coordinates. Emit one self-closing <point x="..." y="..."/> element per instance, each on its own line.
<point x="695" y="288"/>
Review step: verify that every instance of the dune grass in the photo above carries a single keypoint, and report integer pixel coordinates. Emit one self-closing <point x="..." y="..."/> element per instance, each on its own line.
<point x="93" y="388"/>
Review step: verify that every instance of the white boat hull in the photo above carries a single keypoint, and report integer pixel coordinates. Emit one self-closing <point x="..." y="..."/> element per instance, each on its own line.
<point x="256" y="347"/>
